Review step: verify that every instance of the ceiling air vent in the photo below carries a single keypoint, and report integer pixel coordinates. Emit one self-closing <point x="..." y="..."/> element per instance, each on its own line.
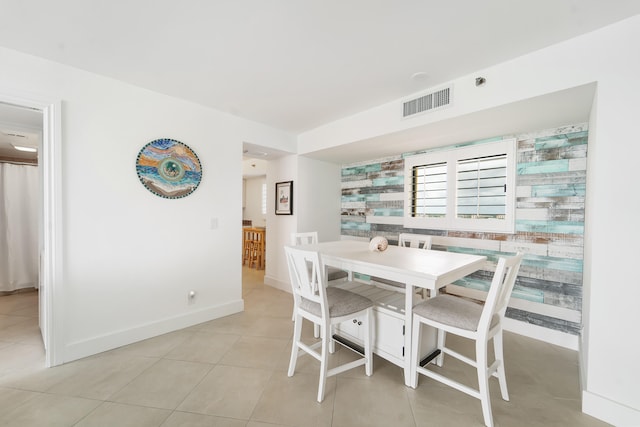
<point x="428" y="102"/>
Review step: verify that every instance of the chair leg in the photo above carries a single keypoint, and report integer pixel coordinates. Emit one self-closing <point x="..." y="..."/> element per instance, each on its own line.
<point x="332" y="342"/>
<point x="415" y="346"/>
<point x="502" y="376"/>
<point x="324" y="360"/>
<point x="483" y="382"/>
<point x="368" y="352"/>
<point x="297" y="334"/>
<point x="442" y="337"/>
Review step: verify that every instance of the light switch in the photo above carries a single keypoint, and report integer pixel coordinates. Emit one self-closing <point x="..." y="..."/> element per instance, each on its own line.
<point x="214" y="223"/>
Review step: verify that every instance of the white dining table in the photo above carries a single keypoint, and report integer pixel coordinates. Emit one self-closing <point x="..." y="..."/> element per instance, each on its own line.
<point x="429" y="269"/>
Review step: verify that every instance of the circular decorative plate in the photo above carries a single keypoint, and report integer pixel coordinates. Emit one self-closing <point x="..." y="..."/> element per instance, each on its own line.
<point x="168" y="168"/>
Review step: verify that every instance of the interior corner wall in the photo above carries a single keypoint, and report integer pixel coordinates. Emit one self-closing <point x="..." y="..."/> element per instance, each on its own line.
<point x="130" y="257"/>
<point x="319" y="208"/>
<point x="603" y="56"/>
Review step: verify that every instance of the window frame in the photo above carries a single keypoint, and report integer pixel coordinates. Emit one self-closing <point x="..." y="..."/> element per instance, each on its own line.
<point x="451" y="156"/>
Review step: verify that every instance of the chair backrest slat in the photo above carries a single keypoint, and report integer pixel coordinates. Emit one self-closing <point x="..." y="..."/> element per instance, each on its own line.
<point x="421" y="241"/>
<point x="307" y="238"/>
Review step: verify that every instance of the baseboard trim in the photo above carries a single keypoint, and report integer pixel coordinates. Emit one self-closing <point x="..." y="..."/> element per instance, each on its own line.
<point x="79" y="349"/>
<point x="550" y="336"/>
<point x="276" y="283"/>
<point x="609" y="411"/>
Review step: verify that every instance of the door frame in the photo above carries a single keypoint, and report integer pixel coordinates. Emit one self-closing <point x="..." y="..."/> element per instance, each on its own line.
<point x="51" y="266"/>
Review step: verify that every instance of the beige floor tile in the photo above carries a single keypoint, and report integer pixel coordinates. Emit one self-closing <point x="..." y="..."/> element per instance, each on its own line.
<point x="11" y="398"/>
<point x="27" y="331"/>
<point x="163" y="385"/>
<point x="50" y="410"/>
<point x="158" y="346"/>
<point x="245" y="382"/>
<point x="275" y="327"/>
<point x="228" y="391"/>
<point x="187" y="419"/>
<point x="433" y="403"/>
<point x="293" y="401"/>
<point x="236" y="324"/>
<point x="115" y="414"/>
<point x="7" y="320"/>
<point x="19" y="359"/>
<point x="96" y="377"/>
<point x="370" y="401"/>
<point x="204" y="347"/>
<point x="256" y="352"/>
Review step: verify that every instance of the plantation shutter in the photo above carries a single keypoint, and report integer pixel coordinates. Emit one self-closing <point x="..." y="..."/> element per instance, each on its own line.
<point x="481" y="187"/>
<point x="429" y="197"/>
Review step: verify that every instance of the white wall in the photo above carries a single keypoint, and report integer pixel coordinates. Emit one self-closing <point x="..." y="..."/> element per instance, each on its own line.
<point x="130" y="257"/>
<point x="253" y="201"/>
<point x="608" y="57"/>
<point x="280" y="227"/>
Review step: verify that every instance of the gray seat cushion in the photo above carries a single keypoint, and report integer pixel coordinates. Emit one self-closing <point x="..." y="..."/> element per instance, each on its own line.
<point x="341" y="303"/>
<point x="453" y="311"/>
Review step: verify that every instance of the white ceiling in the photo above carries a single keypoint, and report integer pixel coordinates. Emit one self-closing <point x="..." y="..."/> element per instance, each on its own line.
<point x="294" y="64"/>
<point x="22" y="127"/>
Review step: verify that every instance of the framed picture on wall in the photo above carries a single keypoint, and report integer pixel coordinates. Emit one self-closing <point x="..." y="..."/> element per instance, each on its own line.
<point x="284" y="198"/>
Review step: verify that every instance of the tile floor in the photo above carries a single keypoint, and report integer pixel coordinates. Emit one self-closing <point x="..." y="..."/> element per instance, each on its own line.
<point x="232" y="372"/>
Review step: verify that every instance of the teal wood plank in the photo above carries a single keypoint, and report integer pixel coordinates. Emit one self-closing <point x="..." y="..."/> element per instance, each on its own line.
<point x="564" y="136"/>
<point x="554" y="263"/>
<point x="558" y="190"/>
<point x="355" y="226"/>
<point x="560" y="227"/>
<point x="550" y="166"/>
<point x="356" y="170"/>
<point x="569" y="140"/>
<point x="373" y="197"/>
<point x="388" y="180"/>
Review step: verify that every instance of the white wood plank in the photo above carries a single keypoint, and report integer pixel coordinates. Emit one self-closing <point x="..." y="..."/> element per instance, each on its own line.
<point x="540" y="214"/>
<point x="492" y="245"/>
<point x="391" y="220"/>
<point x="528" y="248"/>
<point x="387" y="197"/>
<point x="357" y="184"/>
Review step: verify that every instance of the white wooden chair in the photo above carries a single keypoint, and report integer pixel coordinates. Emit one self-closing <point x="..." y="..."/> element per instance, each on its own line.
<point x="326" y="306"/>
<point x="421" y="241"/>
<point x="450" y="314"/>
<point x="309" y="238"/>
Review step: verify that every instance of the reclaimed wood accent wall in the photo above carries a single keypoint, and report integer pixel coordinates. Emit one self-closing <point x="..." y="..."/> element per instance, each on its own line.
<point x="551" y="186"/>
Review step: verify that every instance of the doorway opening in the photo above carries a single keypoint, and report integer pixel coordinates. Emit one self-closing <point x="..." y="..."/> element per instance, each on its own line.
<point x="256" y="202"/>
<point x="20" y="238"/>
<point x="26" y="115"/>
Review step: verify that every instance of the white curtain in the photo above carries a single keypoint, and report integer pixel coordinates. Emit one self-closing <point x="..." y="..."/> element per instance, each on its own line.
<point x="18" y="226"/>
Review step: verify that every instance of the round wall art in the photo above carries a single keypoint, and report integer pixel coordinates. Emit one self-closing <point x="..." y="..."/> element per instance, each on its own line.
<point x="168" y="168"/>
